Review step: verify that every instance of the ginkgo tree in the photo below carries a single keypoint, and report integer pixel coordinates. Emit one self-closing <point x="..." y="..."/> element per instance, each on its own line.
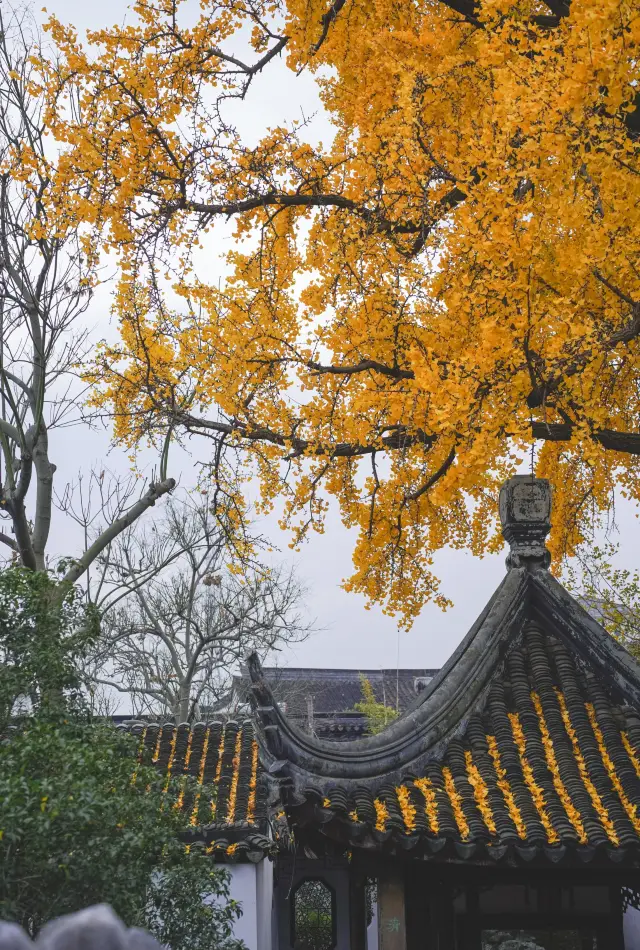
<point x="407" y="308"/>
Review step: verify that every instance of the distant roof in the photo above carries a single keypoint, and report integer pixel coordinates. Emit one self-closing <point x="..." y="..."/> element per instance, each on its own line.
<point x="330" y="695"/>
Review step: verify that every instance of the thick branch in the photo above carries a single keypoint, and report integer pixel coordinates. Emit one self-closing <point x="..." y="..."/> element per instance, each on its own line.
<point x="376" y="218"/>
<point x="437" y="475"/>
<point x="560" y="8"/>
<point x="392" y="371"/>
<point x="5" y="539"/>
<point x="538" y="396"/>
<point x="326" y="21"/>
<point x="610" y="439"/>
<point x="11" y="431"/>
<point x="44" y="495"/>
<point x="468" y="9"/>
<point x="400" y="437"/>
<point x="23" y="536"/>
<point x="121" y="524"/>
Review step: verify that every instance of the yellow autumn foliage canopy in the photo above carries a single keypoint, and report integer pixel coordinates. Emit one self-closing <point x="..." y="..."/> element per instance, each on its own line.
<point x="405" y="309"/>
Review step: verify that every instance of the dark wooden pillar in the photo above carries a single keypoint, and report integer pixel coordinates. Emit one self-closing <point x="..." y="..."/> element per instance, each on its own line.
<point x="442" y="909"/>
<point x="392" y="933"/>
<point x="357" y="912"/>
<point x="417" y="908"/>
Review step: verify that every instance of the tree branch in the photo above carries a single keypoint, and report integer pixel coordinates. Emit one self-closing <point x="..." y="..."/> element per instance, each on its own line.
<point x="538" y="396"/>
<point x="121" y="524"/>
<point x="326" y="20"/>
<point x="392" y="371"/>
<point x="440" y="473"/>
<point x="5" y="539"/>
<point x="401" y="438"/>
<point x="610" y="439"/>
<point x="374" y="217"/>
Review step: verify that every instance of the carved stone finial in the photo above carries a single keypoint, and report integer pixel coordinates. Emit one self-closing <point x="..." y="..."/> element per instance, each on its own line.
<point x="525" y="513"/>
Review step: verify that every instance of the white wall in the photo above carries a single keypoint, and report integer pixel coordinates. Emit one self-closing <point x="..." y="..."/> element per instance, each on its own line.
<point x="264" y="904"/>
<point x="243" y="889"/>
<point x="631" y="923"/>
<point x="372" y="929"/>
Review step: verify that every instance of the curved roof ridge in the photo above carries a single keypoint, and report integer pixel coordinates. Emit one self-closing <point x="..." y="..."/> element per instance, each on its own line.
<point x="447" y="701"/>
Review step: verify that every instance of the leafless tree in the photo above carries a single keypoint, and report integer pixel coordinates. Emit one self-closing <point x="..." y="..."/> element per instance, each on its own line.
<point x="46" y="286"/>
<point x="178" y="619"/>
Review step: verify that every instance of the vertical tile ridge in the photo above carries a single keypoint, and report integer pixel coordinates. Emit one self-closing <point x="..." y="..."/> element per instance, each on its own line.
<point x="195" y="813"/>
<point x="166" y="737"/>
<point x="156" y="748"/>
<point x="426" y="789"/>
<point x="458" y="768"/>
<point x="199" y="734"/>
<point x="500" y="728"/>
<point x="633" y="758"/>
<point x="476" y="736"/>
<point x="184" y="770"/>
<point x="572" y="812"/>
<point x="631" y="727"/>
<point x="382" y="814"/>
<point x="407" y="808"/>
<point x="574" y="690"/>
<point x="528" y="667"/>
<point x="597" y="802"/>
<point x="480" y="792"/>
<point x="139" y="755"/>
<point x="448" y="826"/>
<point x="388" y="794"/>
<point x="569" y="768"/>
<point x="224" y="771"/>
<point x="535" y="790"/>
<point x="456" y="803"/>
<point x="502" y="783"/>
<point x="211" y="772"/>
<point x="610" y="718"/>
<point x="253" y="781"/>
<point x="180" y="752"/>
<point x="245" y="770"/>
<point x="235" y="777"/>
<point x="630" y="808"/>
<point x="170" y="760"/>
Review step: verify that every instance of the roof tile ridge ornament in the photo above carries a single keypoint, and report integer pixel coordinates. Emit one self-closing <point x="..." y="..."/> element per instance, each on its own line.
<point x="525" y="513"/>
<point x="264" y="705"/>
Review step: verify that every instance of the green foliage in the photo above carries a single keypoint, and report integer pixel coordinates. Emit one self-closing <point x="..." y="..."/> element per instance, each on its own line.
<point x="378" y="715"/>
<point x="611" y="594"/>
<point x="179" y="917"/>
<point x="82" y="821"/>
<point x="44" y="633"/>
<point x="77" y="829"/>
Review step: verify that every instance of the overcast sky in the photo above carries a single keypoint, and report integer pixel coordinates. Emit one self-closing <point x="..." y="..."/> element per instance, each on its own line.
<point x="349" y="636"/>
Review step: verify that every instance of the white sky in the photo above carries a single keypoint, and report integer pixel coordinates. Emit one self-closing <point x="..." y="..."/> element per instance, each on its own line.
<point x="349" y="635"/>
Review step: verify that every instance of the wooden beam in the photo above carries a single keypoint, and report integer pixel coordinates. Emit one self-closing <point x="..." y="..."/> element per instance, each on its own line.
<point x="392" y="932"/>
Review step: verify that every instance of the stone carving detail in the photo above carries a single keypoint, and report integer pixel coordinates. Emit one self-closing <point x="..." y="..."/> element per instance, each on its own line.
<point x="525" y="513"/>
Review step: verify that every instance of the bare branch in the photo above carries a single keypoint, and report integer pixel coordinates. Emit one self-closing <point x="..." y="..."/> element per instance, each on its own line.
<point x="173" y="645"/>
<point x="117" y="527"/>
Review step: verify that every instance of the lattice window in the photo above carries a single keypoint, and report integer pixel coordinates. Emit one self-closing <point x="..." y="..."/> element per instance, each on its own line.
<point x="370" y="898"/>
<point x="630" y="898"/>
<point x="314" y="916"/>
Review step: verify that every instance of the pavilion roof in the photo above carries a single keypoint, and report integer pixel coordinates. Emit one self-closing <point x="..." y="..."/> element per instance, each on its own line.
<point x="524" y="747"/>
